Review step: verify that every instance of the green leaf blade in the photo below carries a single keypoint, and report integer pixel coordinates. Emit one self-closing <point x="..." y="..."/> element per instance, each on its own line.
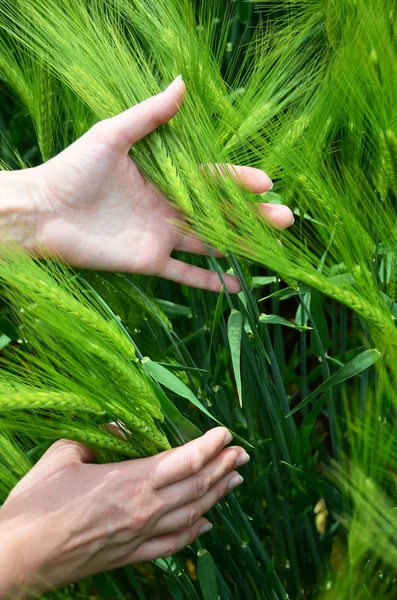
<point x="354" y="367"/>
<point x="234" y="331"/>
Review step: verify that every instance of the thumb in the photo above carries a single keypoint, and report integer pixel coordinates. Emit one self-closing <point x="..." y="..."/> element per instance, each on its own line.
<point x="127" y="128"/>
<point x="63" y="453"/>
<point x="68" y="451"/>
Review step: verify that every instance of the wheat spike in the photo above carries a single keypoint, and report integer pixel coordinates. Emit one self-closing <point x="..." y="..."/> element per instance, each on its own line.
<point x="99" y="439"/>
<point x="369" y="312"/>
<point x="178" y="189"/>
<point x="132" y="379"/>
<point x="33" y="398"/>
<point x="88" y="317"/>
<point x="45" y="131"/>
<point x="12" y="456"/>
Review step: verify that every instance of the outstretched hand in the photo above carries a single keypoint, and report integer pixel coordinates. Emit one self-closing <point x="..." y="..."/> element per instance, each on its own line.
<point x="97" y="211"/>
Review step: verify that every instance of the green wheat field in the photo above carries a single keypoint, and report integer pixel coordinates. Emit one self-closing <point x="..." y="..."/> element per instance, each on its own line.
<point x="301" y="365"/>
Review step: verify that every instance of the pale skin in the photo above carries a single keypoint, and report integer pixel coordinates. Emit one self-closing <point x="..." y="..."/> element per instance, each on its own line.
<point x="90" y="518"/>
<point x="92" y="207"/>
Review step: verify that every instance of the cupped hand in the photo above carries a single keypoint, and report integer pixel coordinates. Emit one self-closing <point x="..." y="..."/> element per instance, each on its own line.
<point x="68" y="519"/>
<point x="98" y="211"/>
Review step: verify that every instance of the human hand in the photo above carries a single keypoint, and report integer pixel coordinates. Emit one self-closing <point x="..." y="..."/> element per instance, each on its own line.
<point x="67" y="519"/>
<point x="96" y="210"/>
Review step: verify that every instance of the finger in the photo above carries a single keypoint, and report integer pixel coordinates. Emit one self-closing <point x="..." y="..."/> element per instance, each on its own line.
<point x="196" y="486"/>
<point x="70" y="451"/>
<point x="187" y="515"/>
<point x="250" y="179"/>
<point x="277" y="215"/>
<point x="127" y="128"/>
<point x="174" y="465"/>
<point x="163" y="546"/>
<point x="117" y="429"/>
<point x="181" y="272"/>
<point x="194" y="245"/>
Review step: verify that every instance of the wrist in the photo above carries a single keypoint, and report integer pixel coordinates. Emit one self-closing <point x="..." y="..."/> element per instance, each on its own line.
<point x="16" y="580"/>
<point x="21" y="205"/>
<point x="11" y="577"/>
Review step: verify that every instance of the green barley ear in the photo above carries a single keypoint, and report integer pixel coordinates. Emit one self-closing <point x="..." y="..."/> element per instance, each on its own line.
<point x="45" y="123"/>
<point x="36" y="88"/>
<point x="17" y="395"/>
<point x="83" y="361"/>
<point x="374" y="522"/>
<point x="52" y="426"/>
<point x="130" y="306"/>
<point x="14" y="463"/>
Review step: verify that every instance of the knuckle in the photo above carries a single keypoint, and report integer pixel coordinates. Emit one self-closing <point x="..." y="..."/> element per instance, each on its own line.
<point x="202" y="485"/>
<point x="156" y="120"/>
<point x="59" y="444"/>
<point x="128" y="492"/>
<point x="63" y="452"/>
<point x="156" y="116"/>
<point x="231" y="458"/>
<point x="193" y="514"/>
<point x="139" y="520"/>
<point x="194" y="462"/>
<point x="222" y="488"/>
<point x="126" y="488"/>
<point x="171" y="548"/>
<point x="193" y="534"/>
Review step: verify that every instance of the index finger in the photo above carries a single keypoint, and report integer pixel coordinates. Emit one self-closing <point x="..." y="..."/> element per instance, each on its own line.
<point x="179" y="463"/>
<point x="248" y="178"/>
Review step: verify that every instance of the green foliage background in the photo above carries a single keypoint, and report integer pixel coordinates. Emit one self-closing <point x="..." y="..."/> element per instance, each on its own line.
<point x="309" y="95"/>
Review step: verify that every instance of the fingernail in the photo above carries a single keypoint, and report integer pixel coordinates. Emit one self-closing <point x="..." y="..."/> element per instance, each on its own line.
<point x="228" y="438"/>
<point x="235" y="481"/>
<point x="293" y="220"/>
<point x="271" y="187"/>
<point x="205" y="528"/>
<point x="179" y="78"/>
<point x="242" y="459"/>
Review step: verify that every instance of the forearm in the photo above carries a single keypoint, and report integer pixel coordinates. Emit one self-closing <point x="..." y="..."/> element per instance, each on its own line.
<point x="19" y="207"/>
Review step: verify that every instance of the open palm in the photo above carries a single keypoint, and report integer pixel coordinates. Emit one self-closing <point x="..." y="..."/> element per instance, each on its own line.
<point x="99" y="212"/>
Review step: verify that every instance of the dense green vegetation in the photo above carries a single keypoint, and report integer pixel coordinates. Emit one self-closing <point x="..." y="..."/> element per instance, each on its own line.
<point x="302" y="363"/>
